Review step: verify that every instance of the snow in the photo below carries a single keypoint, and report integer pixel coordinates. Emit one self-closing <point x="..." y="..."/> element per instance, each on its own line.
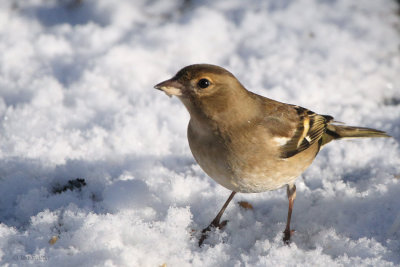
<point x="77" y="101"/>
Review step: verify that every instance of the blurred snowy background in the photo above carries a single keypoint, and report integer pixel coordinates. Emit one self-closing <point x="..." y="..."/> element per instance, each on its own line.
<point x="76" y="101"/>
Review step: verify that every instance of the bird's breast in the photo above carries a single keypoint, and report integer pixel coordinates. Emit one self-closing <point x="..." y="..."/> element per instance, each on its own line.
<point x="211" y="153"/>
<point x="243" y="160"/>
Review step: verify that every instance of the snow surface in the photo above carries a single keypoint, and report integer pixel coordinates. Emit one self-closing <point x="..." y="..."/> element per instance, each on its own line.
<point x="77" y="101"/>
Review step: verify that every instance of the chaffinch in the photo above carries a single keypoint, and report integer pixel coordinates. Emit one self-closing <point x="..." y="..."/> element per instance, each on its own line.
<point x="246" y="142"/>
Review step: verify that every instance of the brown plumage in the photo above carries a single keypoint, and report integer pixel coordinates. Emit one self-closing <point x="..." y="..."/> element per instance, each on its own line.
<point x="246" y="142"/>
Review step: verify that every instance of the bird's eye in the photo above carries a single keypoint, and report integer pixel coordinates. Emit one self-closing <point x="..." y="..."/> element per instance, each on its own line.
<point x="203" y="83"/>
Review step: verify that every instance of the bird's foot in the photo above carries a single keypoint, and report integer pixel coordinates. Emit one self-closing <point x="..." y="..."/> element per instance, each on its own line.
<point x="213" y="224"/>
<point x="287" y="234"/>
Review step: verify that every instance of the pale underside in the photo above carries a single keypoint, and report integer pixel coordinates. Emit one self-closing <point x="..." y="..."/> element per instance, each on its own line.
<point x="254" y="165"/>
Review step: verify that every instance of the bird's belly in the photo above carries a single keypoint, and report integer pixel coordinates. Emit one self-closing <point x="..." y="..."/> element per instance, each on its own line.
<point x="263" y="180"/>
<point x="259" y="179"/>
<point x="249" y="174"/>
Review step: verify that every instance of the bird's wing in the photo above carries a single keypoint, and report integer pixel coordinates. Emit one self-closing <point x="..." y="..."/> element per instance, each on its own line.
<point x="309" y="129"/>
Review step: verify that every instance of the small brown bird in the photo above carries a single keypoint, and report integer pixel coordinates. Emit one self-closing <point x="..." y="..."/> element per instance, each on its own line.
<point x="246" y="142"/>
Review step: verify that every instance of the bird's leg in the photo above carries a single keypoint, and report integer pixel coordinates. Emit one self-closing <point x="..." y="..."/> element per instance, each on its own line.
<point x="216" y="222"/>
<point x="291" y="193"/>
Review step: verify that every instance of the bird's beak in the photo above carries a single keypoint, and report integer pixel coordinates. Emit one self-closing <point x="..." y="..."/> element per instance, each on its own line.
<point x="170" y="87"/>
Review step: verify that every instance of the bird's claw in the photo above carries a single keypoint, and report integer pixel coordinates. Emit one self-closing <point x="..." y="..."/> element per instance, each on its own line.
<point x="287" y="234"/>
<point x="204" y="232"/>
<point x="222" y="224"/>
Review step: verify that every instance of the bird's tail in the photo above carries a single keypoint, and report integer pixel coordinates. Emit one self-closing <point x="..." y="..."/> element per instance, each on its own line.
<point x="334" y="131"/>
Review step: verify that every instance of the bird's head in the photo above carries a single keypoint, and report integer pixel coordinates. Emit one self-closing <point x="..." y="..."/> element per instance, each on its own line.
<point x="205" y="88"/>
<point x="199" y="80"/>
